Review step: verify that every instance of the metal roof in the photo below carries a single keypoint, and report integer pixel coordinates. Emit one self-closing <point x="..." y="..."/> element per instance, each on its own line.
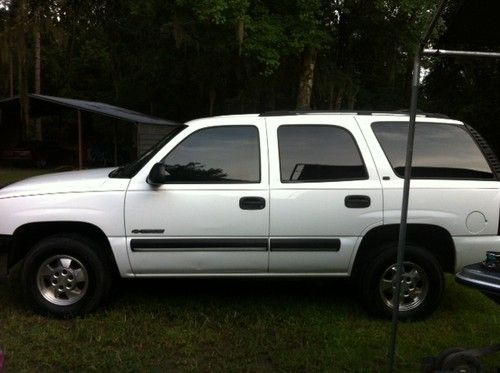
<point x="93" y="107"/>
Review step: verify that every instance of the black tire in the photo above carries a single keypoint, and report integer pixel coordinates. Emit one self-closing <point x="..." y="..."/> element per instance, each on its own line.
<point x="462" y="362"/>
<point x="83" y="253"/>
<point x="445" y="354"/>
<point x="375" y="299"/>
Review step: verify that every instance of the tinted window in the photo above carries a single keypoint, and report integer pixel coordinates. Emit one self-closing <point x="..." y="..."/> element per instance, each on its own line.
<point x="131" y="169"/>
<point x="441" y="151"/>
<point x="318" y="153"/>
<point x="216" y="155"/>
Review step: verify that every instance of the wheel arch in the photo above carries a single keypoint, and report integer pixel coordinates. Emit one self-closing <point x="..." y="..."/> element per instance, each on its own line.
<point x="29" y="234"/>
<point x="433" y="238"/>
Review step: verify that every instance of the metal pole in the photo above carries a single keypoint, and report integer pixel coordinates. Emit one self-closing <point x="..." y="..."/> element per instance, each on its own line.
<point x="406" y="185"/>
<point x="446" y="52"/>
<point x="409" y="156"/>
<point x="80" y="141"/>
<point x="404" y="210"/>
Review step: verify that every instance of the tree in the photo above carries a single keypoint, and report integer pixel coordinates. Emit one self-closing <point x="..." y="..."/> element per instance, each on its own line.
<point x="182" y="59"/>
<point x="24" y="23"/>
<point x="466" y="88"/>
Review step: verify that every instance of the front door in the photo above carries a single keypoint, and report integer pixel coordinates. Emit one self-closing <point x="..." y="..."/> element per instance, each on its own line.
<point x="212" y="213"/>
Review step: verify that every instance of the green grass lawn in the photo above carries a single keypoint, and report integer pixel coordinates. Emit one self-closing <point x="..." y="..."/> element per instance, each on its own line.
<point x="238" y="325"/>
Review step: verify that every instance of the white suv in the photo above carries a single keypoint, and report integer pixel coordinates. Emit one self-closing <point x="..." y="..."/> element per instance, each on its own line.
<point x="276" y="194"/>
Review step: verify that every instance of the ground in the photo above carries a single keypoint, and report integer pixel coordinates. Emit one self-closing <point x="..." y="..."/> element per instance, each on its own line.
<point x="237" y="325"/>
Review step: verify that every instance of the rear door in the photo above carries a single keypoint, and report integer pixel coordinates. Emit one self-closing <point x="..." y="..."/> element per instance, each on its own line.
<point x="325" y="193"/>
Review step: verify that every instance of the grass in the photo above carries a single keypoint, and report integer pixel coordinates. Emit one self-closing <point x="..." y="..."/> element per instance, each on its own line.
<point x="238" y="325"/>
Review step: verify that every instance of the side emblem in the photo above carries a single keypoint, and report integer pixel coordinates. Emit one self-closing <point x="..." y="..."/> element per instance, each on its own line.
<point x="148" y="231"/>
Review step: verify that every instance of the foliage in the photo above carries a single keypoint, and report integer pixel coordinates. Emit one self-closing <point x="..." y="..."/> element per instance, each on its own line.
<point x="467" y="88"/>
<point x="194" y="171"/>
<point x="182" y="59"/>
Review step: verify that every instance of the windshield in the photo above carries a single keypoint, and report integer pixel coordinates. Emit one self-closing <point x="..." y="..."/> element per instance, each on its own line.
<point x="129" y="170"/>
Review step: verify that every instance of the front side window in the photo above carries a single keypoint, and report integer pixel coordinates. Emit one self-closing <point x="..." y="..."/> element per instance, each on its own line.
<point x="228" y="154"/>
<point x="441" y="151"/>
<point x="318" y="153"/>
<point x="129" y="170"/>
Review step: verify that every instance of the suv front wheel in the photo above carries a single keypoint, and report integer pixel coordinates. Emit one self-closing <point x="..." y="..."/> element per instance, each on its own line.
<point x="65" y="276"/>
<point x="422" y="283"/>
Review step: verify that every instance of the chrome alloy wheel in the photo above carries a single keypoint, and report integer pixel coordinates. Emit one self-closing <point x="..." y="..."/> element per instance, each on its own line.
<point x="414" y="286"/>
<point x="62" y="280"/>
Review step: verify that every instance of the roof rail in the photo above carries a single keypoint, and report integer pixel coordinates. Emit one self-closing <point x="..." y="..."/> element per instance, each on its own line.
<point x="353" y="112"/>
<point x="423" y="113"/>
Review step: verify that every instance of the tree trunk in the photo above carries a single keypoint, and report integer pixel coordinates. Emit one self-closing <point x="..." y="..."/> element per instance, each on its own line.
<point x="240" y="34"/>
<point x="352" y="97"/>
<point x="11" y="74"/>
<point x="211" y="99"/>
<point x="330" y="98"/>
<point x="38" y="60"/>
<point x="339" y="97"/>
<point x="38" y="71"/>
<point x="22" y="73"/>
<point x="23" y="87"/>
<point x="306" y="79"/>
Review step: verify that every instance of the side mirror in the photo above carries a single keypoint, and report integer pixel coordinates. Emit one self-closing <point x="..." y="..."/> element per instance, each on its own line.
<point x="157" y="175"/>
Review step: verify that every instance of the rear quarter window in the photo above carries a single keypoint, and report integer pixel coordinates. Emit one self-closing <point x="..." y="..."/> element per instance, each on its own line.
<point x="441" y="151"/>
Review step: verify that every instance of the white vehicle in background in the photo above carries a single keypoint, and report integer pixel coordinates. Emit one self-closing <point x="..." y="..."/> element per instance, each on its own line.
<point x="276" y="194"/>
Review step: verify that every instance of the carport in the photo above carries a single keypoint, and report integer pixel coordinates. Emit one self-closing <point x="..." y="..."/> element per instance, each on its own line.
<point x="148" y="129"/>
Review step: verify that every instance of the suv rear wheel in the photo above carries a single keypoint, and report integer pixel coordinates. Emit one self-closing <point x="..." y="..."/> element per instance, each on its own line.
<point x="64" y="276"/>
<point x="422" y="283"/>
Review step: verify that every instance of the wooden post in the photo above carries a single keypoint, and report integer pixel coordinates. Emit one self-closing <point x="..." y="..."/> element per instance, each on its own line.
<point x="80" y="141"/>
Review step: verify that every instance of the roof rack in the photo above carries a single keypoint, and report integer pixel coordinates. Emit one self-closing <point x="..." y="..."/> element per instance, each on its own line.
<point x="353" y="112"/>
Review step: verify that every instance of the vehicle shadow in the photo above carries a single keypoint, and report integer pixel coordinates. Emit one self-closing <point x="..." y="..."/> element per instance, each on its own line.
<point x="229" y="290"/>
